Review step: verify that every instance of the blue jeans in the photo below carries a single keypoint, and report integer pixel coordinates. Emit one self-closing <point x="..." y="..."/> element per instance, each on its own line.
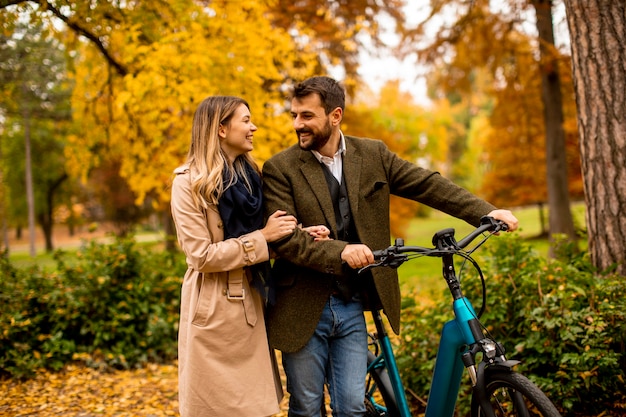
<point x="337" y="354"/>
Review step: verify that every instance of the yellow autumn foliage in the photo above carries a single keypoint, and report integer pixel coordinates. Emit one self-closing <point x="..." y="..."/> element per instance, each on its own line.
<point x="143" y="118"/>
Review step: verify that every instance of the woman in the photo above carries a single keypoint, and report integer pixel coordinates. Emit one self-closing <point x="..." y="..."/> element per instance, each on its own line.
<point x="225" y="365"/>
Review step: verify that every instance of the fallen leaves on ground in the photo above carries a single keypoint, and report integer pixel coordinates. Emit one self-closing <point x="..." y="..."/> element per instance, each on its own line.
<point x="80" y="391"/>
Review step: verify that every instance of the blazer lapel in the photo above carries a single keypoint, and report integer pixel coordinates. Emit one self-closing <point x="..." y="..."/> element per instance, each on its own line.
<point x="352" y="163"/>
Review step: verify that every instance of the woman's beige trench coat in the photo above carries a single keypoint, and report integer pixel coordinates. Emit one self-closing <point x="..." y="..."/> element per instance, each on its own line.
<point x="225" y="367"/>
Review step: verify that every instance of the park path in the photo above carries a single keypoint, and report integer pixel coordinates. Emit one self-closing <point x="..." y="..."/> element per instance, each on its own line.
<point x="62" y="239"/>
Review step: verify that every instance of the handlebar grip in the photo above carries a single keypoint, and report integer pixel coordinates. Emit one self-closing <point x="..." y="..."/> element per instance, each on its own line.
<point x="497" y="225"/>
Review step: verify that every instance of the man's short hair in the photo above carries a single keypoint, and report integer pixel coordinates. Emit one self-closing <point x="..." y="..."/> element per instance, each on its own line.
<point x="330" y="92"/>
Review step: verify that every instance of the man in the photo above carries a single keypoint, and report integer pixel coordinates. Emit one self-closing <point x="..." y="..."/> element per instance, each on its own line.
<point x="342" y="182"/>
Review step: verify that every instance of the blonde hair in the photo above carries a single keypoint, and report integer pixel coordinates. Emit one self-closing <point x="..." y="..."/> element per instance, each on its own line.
<point x="206" y="159"/>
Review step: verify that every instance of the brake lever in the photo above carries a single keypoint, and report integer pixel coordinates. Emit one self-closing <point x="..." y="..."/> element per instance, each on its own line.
<point x="370" y="266"/>
<point x="387" y="258"/>
<point x="398" y="259"/>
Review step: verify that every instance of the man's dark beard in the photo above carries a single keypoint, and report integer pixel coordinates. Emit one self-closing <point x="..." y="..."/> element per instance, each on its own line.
<point x="318" y="140"/>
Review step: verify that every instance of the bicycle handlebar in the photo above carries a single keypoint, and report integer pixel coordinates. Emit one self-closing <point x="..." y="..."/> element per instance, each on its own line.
<point x="487" y="224"/>
<point x="443" y="242"/>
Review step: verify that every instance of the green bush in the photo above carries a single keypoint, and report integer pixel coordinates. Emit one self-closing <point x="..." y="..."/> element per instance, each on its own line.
<point x="563" y="322"/>
<point x="112" y="305"/>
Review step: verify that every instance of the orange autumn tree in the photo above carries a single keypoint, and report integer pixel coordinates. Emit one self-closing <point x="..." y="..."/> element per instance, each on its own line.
<point x="516" y="174"/>
<point x="474" y="38"/>
<point x="336" y="31"/>
<point x="517" y="153"/>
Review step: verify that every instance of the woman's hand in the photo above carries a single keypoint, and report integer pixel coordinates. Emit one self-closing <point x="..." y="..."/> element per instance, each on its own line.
<point x="279" y="225"/>
<point x="319" y="232"/>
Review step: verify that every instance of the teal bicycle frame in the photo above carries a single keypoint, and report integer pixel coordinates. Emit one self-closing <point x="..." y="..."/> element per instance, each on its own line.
<point x="449" y="366"/>
<point x="455" y="335"/>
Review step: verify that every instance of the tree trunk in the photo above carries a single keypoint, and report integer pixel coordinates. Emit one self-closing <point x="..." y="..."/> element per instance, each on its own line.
<point x="30" y="194"/>
<point x="543" y="232"/>
<point x="598" y="37"/>
<point x="559" y="213"/>
<point x="4" y="248"/>
<point x="46" y="218"/>
<point x="46" y="227"/>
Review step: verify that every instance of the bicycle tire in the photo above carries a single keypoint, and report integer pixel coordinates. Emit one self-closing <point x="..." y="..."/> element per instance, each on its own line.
<point x="383" y="392"/>
<point x="512" y="394"/>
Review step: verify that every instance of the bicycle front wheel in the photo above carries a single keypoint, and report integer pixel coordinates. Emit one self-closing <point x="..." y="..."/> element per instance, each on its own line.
<point x="512" y="394"/>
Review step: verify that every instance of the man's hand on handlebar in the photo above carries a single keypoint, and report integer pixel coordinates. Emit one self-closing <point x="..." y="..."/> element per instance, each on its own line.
<point x="507" y="217"/>
<point x="357" y="255"/>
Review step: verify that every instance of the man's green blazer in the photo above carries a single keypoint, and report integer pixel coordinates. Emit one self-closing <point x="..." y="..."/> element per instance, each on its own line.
<point x="304" y="271"/>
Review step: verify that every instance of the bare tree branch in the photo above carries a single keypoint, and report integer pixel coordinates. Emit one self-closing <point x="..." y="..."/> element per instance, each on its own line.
<point x="6" y="3"/>
<point x="121" y="70"/>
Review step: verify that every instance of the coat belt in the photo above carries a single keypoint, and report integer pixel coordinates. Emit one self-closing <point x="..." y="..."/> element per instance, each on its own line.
<point x="235" y="292"/>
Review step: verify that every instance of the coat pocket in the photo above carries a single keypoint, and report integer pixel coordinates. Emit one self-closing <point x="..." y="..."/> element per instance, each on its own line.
<point x="205" y="303"/>
<point x="375" y="189"/>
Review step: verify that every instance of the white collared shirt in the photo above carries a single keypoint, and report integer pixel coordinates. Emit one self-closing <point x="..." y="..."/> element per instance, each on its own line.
<point x="334" y="164"/>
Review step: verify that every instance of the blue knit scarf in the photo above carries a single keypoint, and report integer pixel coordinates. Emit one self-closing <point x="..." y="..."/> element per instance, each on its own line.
<point x="242" y="212"/>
